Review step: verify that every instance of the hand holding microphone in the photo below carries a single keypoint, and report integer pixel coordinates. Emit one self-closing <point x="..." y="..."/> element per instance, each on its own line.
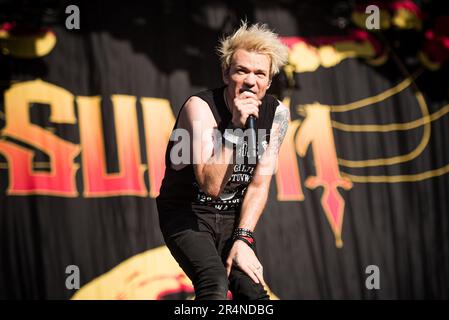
<point x="246" y="104"/>
<point x="245" y="115"/>
<point x="251" y="125"/>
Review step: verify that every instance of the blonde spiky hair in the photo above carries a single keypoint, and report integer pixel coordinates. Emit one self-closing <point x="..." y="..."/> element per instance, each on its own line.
<point x="258" y="38"/>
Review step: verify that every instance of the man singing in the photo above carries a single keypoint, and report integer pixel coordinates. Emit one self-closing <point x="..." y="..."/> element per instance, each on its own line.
<point x="209" y="206"/>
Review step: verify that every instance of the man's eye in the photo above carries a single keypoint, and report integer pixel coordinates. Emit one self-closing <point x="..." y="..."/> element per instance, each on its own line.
<point x="240" y="71"/>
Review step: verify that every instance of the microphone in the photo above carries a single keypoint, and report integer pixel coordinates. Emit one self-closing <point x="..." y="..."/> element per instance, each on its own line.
<point x="251" y="125"/>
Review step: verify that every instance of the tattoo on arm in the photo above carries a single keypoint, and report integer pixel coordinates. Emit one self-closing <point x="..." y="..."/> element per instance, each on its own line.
<point x="281" y="117"/>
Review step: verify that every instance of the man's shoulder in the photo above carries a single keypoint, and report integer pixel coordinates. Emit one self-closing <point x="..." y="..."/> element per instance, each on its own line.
<point x="206" y="96"/>
<point x="210" y="93"/>
<point x="197" y="107"/>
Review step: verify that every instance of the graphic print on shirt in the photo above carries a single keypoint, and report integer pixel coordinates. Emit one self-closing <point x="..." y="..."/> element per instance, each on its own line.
<point x="232" y="195"/>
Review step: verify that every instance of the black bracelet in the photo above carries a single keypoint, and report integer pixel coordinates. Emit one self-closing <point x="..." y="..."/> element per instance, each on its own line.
<point x="243" y="232"/>
<point x="244" y="235"/>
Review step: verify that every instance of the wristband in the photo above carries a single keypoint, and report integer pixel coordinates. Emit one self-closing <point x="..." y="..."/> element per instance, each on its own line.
<point x="243" y="232"/>
<point x="244" y="235"/>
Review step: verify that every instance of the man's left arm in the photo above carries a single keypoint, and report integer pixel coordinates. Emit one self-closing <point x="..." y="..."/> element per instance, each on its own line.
<point x="241" y="255"/>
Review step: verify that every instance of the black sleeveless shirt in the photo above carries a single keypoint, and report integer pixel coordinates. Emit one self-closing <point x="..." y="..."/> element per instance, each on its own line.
<point x="179" y="187"/>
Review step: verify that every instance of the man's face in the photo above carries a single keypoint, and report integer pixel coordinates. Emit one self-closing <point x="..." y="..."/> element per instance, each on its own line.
<point x="249" y="70"/>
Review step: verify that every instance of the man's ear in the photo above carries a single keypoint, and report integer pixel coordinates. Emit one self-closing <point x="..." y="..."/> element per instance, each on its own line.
<point x="269" y="84"/>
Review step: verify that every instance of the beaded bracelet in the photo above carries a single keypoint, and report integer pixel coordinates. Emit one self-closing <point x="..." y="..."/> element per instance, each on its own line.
<point x="244" y="235"/>
<point x="243" y="232"/>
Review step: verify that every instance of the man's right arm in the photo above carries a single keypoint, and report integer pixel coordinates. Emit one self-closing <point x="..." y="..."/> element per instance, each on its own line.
<point x="212" y="165"/>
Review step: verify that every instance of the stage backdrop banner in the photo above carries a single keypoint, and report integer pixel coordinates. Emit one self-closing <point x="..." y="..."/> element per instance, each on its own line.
<point x="358" y="208"/>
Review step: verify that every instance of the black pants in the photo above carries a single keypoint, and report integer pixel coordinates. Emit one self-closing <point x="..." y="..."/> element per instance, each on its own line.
<point x="200" y="243"/>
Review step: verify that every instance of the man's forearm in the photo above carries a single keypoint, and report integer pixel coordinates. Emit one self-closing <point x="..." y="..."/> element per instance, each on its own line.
<point x="252" y="206"/>
<point x="257" y="192"/>
<point x="217" y="171"/>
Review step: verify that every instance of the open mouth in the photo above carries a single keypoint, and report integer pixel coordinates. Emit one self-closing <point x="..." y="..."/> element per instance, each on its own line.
<point x="249" y="90"/>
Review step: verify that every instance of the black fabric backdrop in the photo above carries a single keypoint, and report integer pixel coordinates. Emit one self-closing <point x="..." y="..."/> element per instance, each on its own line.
<point x="166" y="50"/>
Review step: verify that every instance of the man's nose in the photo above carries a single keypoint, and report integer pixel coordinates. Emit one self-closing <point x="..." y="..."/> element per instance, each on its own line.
<point x="250" y="79"/>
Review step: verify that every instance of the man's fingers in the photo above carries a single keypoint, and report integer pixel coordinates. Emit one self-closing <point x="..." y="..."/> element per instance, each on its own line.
<point x="258" y="271"/>
<point x="246" y="97"/>
<point x="251" y="101"/>
<point x="253" y="111"/>
<point x="259" y="276"/>
<point x="247" y="94"/>
<point x="251" y="273"/>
